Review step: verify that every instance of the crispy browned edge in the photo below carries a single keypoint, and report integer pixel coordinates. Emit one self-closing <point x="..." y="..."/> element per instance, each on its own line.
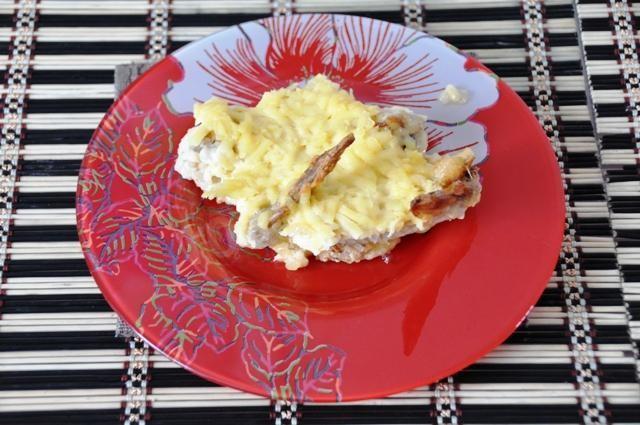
<point x="432" y="208"/>
<point x="432" y="204"/>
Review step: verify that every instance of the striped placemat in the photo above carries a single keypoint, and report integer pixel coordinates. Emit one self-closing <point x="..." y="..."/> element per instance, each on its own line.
<point x="574" y="360"/>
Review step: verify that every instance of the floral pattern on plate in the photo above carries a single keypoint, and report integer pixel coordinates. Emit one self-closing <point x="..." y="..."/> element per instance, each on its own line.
<point x="163" y="228"/>
<point x="379" y="62"/>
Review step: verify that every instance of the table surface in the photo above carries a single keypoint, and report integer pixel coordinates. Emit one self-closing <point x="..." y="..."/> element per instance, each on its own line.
<point x="574" y="360"/>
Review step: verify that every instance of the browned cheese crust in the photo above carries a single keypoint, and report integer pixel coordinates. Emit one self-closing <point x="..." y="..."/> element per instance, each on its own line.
<point x="432" y="204"/>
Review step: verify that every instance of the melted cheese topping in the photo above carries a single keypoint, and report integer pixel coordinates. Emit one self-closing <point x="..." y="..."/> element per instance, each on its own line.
<point x="260" y="152"/>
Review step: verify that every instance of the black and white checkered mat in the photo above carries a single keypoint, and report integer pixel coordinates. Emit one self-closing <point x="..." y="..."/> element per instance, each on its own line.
<point x="574" y="360"/>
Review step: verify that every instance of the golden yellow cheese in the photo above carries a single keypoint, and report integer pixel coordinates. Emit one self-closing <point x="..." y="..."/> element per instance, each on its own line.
<point x="261" y="151"/>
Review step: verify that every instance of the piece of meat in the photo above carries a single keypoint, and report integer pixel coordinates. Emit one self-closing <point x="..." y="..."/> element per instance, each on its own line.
<point x="407" y="129"/>
<point x="260" y="237"/>
<point x="352" y="251"/>
<point x="433" y="204"/>
<point x="277" y="213"/>
<point x="447" y="204"/>
<point x="319" y="168"/>
<point x="451" y="168"/>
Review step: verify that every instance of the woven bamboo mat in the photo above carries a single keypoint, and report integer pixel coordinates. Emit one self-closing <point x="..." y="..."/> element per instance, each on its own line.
<point x="574" y="360"/>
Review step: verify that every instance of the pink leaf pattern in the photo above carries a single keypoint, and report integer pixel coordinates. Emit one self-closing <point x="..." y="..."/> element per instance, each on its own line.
<point x="267" y="313"/>
<point x="116" y="233"/>
<point x="163" y="311"/>
<point x="191" y="317"/>
<point x="140" y="158"/>
<point x="268" y="359"/>
<point x="163" y="253"/>
<point x="181" y="196"/>
<point x="159" y="224"/>
<point x="318" y="372"/>
<point x="97" y="174"/>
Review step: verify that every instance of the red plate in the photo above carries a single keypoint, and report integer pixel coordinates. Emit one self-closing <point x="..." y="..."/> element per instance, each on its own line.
<point x="167" y="263"/>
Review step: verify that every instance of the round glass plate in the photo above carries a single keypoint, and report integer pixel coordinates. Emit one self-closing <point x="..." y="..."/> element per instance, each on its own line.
<point x="167" y="263"/>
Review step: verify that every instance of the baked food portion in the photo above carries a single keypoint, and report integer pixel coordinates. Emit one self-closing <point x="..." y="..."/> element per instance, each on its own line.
<point x="314" y="172"/>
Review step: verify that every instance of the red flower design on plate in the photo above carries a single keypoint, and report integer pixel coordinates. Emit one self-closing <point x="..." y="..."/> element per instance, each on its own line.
<point x="299" y="48"/>
<point x="371" y="61"/>
<point x="379" y="62"/>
